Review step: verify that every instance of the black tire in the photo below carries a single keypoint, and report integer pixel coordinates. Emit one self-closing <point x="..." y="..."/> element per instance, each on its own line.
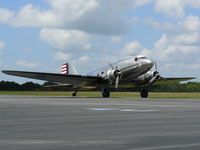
<point x="105" y="93"/>
<point x="144" y="93"/>
<point x="73" y="94"/>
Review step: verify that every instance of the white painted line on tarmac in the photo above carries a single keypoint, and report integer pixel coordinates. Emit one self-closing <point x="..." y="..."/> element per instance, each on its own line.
<point x="187" y="146"/>
<point x="138" y="110"/>
<point x="122" y="110"/>
<point x="100" y="109"/>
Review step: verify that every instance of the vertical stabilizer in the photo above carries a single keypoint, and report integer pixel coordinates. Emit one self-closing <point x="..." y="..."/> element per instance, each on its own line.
<point x="68" y="69"/>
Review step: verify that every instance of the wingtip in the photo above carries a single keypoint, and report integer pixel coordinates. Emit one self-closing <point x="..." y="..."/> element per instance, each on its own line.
<point x="6" y="71"/>
<point x="3" y="71"/>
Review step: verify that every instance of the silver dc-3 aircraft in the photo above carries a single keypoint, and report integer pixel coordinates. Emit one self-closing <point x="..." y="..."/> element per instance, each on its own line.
<point x="131" y="72"/>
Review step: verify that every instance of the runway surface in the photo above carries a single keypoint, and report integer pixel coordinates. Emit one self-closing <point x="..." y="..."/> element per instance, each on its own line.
<point x="66" y="123"/>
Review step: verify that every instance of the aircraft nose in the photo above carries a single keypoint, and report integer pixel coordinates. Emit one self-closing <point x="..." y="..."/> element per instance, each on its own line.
<point x="148" y="63"/>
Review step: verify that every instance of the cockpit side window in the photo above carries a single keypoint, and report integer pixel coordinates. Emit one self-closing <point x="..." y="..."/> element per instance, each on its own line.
<point x="139" y="57"/>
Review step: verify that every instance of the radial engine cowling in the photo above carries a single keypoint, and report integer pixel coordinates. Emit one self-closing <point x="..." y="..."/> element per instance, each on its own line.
<point x="153" y="76"/>
<point x="112" y="74"/>
<point x="150" y="77"/>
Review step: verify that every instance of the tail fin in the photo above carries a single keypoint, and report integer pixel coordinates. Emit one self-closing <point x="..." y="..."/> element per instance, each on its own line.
<point x="68" y="69"/>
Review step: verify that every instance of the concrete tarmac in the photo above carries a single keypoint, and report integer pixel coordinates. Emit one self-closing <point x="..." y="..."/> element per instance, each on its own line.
<point x="66" y="123"/>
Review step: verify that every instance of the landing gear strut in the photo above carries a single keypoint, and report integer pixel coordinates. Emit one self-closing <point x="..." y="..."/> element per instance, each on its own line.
<point x="105" y="93"/>
<point x="144" y="93"/>
<point x="74" y="94"/>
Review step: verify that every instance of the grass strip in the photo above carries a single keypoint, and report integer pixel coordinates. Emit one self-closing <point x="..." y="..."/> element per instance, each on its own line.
<point x="98" y="94"/>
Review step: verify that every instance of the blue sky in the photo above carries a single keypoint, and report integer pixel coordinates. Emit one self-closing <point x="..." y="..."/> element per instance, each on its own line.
<point x="41" y="35"/>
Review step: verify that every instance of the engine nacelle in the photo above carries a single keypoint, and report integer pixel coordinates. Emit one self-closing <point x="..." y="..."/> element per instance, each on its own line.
<point x="149" y="77"/>
<point x="152" y="74"/>
<point x="112" y="74"/>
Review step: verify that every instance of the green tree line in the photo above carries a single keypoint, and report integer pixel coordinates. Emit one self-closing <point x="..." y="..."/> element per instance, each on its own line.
<point x="30" y="86"/>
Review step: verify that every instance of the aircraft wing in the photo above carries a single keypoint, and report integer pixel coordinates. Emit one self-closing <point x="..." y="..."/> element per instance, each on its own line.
<point x="76" y="80"/>
<point x="172" y="80"/>
<point x="162" y="80"/>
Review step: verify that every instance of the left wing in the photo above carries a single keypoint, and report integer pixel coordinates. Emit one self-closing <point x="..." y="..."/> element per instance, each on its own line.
<point x="161" y="80"/>
<point x="75" y="80"/>
<point x="172" y="80"/>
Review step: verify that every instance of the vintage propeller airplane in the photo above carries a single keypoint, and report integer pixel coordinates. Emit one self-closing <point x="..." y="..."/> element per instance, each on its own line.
<point x="131" y="72"/>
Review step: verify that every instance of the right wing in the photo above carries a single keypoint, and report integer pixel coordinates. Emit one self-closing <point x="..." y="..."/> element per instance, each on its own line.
<point x="75" y="80"/>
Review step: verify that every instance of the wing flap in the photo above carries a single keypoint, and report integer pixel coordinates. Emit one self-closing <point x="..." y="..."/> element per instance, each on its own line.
<point x="53" y="77"/>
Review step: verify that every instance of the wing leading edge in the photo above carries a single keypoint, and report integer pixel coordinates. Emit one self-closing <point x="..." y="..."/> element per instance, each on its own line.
<point x="77" y="80"/>
<point x="162" y="80"/>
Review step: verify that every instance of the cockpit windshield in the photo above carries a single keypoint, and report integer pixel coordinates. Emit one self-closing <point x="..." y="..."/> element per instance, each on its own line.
<point x="139" y="57"/>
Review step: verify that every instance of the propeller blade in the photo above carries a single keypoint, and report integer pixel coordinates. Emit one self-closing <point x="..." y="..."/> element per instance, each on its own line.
<point x="117" y="82"/>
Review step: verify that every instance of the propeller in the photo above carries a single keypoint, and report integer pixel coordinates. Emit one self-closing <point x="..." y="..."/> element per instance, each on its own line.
<point x="117" y="82"/>
<point x="117" y="74"/>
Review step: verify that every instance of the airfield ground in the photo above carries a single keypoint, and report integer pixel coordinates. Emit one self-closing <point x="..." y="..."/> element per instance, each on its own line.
<point x="61" y="122"/>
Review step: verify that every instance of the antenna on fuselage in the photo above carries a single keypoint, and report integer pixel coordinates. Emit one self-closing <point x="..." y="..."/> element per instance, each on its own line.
<point x="111" y="65"/>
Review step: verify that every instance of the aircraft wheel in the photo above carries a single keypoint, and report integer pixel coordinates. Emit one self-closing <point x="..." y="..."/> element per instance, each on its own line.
<point x="74" y="94"/>
<point x="105" y="93"/>
<point x="144" y="93"/>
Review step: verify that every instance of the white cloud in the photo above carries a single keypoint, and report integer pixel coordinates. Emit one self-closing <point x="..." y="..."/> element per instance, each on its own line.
<point x="190" y="24"/>
<point x="133" y="48"/>
<point x="66" y="40"/>
<point x="72" y="9"/>
<point x="181" y="69"/>
<point x="84" y="58"/>
<point x="62" y="56"/>
<point x="29" y="15"/>
<point x="60" y="12"/>
<point x="115" y="39"/>
<point x="162" y="42"/>
<point x="26" y="64"/>
<point x="2" y="45"/>
<point x="175" y="48"/>
<point x="183" y="41"/>
<point x="175" y="8"/>
<point x="187" y="38"/>
<point x="89" y="16"/>
<point x="171" y="8"/>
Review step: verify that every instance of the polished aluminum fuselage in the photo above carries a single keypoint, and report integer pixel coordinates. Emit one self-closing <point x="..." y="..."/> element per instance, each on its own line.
<point x="130" y="68"/>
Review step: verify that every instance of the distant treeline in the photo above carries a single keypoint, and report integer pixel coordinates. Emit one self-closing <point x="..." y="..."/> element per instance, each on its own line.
<point x="30" y="86"/>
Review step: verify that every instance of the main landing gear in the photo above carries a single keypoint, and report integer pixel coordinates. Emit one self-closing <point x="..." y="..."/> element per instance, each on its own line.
<point x="144" y="93"/>
<point x="74" y="94"/>
<point x="105" y="93"/>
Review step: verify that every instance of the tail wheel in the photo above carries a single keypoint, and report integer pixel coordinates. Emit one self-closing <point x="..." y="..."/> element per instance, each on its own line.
<point x="144" y="93"/>
<point x="105" y="93"/>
